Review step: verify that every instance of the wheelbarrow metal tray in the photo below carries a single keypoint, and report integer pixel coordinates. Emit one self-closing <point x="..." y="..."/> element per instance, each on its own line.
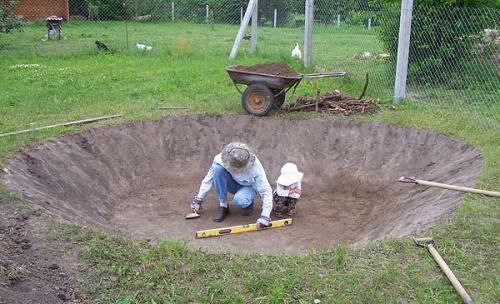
<point x="278" y="82"/>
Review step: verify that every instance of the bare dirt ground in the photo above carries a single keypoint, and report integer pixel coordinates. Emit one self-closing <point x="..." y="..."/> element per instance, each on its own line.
<point x="35" y="268"/>
<point x="140" y="178"/>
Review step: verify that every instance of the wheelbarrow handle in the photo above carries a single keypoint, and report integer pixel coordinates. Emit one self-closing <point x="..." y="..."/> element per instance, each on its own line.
<point x="322" y="75"/>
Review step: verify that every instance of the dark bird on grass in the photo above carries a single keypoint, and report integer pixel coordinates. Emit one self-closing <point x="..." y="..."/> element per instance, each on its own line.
<point x="101" y="46"/>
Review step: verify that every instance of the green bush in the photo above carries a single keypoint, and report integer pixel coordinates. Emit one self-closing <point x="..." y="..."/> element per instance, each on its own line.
<point x="8" y="21"/>
<point x="266" y="12"/>
<point x="443" y="40"/>
<point x="221" y="11"/>
<point x="352" y="12"/>
<point x="159" y="10"/>
<point x="107" y="9"/>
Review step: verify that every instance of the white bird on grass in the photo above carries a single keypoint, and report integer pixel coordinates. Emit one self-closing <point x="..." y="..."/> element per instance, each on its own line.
<point x="143" y="47"/>
<point x="296" y="53"/>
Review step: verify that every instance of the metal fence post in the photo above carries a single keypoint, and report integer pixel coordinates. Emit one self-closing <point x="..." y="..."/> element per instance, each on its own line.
<point x="255" y="16"/>
<point x="403" y="50"/>
<point x="369" y="23"/>
<point x="338" y="20"/>
<point x="241" y="14"/>
<point x="275" y="17"/>
<point x="173" y="11"/>
<point x="207" y="10"/>
<point x="308" y="32"/>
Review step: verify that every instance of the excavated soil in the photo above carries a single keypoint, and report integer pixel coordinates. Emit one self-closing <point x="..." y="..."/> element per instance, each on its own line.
<point x="140" y="178"/>
<point x="271" y="68"/>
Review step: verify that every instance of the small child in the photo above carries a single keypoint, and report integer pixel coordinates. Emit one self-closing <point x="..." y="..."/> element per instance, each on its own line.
<point x="288" y="191"/>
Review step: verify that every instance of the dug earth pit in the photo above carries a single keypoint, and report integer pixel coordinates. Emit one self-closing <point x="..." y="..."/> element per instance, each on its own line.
<point x="141" y="177"/>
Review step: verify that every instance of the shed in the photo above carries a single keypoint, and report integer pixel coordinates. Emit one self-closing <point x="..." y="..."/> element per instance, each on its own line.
<point x="41" y="9"/>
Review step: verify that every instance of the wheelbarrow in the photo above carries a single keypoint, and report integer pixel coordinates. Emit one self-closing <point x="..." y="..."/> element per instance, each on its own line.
<point x="267" y="91"/>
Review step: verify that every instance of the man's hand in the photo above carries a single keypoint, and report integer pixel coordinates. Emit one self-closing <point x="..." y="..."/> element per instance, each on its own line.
<point x="196" y="203"/>
<point x="263" y="222"/>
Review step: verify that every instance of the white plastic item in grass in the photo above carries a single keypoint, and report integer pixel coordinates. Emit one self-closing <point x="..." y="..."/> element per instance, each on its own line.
<point x="143" y="47"/>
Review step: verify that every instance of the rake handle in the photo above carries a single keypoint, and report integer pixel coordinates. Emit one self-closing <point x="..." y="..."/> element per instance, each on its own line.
<point x="446" y="186"/>
<point x="449" y="274"/>
<point x="458" y="188"/>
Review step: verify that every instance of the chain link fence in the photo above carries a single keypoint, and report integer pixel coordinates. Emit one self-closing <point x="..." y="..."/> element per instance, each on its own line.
<point x="454" y="52"/>
<point x="453" y="57"/>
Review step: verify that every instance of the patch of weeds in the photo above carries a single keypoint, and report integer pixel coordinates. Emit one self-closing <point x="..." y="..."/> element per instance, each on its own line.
<point x="23" y="207"/>
<point x="15" y="196"/>
<point x="11" y="273"/>
<point x="180" y="47"/>
<point x="256" y="283"/>
<point x="340" y="258"/>
<point x="277" y="295"/>
<point x="336" y="258"/>
<point x="73" y="232"/>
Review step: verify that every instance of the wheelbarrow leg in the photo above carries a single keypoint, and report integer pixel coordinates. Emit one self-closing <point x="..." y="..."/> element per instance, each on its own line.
<point x="279" y="98"/>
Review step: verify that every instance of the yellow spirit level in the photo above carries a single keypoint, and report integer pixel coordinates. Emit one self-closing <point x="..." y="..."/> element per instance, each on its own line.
<point x="239" y="229"/>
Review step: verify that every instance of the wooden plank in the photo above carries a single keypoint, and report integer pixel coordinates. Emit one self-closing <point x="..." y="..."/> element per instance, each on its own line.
<point x="71" y="123"/>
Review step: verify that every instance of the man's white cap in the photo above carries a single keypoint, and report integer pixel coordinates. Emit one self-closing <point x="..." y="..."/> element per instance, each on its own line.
<point x="290" y="174"/>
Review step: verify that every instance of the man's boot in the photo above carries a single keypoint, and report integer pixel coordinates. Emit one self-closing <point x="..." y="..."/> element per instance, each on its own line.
<point x="220" y="214"/>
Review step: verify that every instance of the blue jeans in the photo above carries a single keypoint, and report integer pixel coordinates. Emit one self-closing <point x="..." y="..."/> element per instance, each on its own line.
<point x="224" y="183"/>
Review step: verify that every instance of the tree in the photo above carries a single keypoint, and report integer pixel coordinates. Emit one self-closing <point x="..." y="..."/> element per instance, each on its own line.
<point x="8" y="20"/>
<point x="266" y="11"/>
<point x="444" y="35"/>
<point x="108" y="9"/>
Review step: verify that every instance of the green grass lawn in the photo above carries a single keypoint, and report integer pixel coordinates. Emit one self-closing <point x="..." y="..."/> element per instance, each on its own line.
<point x="186" y="68"/>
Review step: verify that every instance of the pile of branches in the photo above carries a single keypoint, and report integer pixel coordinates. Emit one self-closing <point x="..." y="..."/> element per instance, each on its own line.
<point x="334" y="104"/>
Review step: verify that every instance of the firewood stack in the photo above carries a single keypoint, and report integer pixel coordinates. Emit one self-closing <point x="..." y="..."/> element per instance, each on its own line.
<point x="334" y="104"/>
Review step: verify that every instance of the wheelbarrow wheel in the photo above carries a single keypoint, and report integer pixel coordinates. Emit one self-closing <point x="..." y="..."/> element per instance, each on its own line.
<point x="257" y="99"/>
<point x="279" y="100"/>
